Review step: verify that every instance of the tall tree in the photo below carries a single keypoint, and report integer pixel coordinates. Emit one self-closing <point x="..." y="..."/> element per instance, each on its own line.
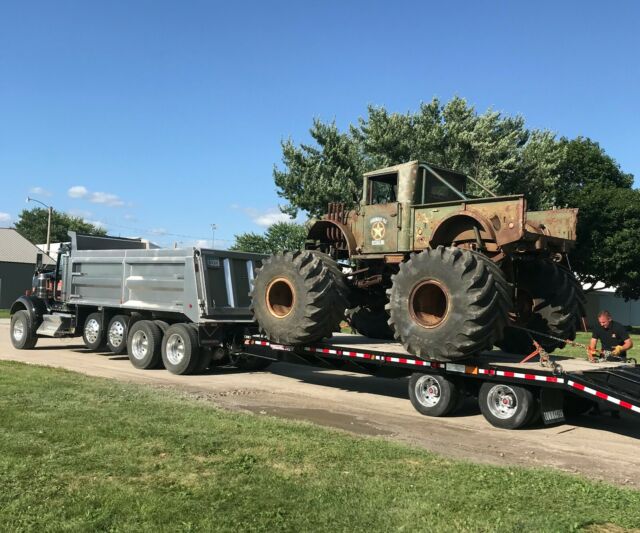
<point x="279" y="237"/>
<point x="32" y="224"/>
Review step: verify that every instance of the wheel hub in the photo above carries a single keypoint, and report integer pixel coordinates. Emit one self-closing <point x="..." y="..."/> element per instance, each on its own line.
<point x="116" y="334"/>
<point x="502" y="402"/>
<point x="280" y="297"/>
<point x="18" y="330"/>
<point x="175" y="349"/>
<point x="428" y="391"/>
<point x="92" y="330"/>
<point x="139" y="345"/>
<point x="429" y="303"/>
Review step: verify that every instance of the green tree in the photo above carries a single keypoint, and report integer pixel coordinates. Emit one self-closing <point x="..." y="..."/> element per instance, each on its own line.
<point x="279" y="237"/>
<point x="32" y="225"/>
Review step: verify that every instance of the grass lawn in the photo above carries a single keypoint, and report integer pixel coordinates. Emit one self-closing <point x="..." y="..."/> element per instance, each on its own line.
<point x="84" y="454"/>
<point x="4" y="313"/>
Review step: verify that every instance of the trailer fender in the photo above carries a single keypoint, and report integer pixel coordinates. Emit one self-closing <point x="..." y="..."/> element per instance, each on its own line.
<point x="33" y="305"/>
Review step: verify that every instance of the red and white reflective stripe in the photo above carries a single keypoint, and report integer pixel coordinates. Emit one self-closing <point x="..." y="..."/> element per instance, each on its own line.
<point x="603" y="396"/>
<point x="519" y="375"/>
<point x="370" y="356"/>
<point x="257" y="342"/>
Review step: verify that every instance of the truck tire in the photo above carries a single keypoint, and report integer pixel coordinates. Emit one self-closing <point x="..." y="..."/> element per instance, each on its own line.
<point x="506" y="406"/>
<point x="433" y="394"/>
<point x="180" y="349"/>
<point x="296" y="298"/>
<point x="445" y="304"/>
<point x="371" y="321"/>
<point x="93" y="332"/>
<point x="23" y="331"/>
<point x="548" y="302"/>
<point x="117" y="334"/>
<point x="162" y="325"/>
<point x="143" y="345"/>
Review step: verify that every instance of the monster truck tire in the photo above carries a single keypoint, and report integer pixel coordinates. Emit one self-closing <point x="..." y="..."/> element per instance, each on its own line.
<point x="444" y="303"/>
<point x="555" y="307"/>
<point x="371" y="321"/>
<point x="295" y="298"/>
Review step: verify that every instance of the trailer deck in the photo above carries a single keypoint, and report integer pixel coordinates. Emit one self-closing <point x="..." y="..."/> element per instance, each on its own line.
<point x="613" y="383"/>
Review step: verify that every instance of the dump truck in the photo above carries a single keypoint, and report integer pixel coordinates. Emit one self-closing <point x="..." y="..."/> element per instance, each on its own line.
<point x="181" y="308"/>
<point x="421" y="260"/>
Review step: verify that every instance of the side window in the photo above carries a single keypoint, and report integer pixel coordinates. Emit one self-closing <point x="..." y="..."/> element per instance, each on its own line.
<point x="383" y="189"/>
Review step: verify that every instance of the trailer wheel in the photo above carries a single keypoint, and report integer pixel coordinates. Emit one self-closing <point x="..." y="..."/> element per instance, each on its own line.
<point x="180" y="349"/>
<point x="446" y="304"/>
<point x="162" y="325"/>
<point x="433" y="395"/>
<point x="143" y="345"/>
<point x="117" y="334"/>
<point x="93" y="332"/>
<point x="506" y="406"/>
<point x="23" y="333"/>
<point x="297" y="298"/>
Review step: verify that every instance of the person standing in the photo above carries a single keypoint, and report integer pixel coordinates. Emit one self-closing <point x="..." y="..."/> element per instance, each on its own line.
<point x="612" y="335"/>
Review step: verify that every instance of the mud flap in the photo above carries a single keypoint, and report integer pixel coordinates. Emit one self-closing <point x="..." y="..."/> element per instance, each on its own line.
<point x="551" y="405"/>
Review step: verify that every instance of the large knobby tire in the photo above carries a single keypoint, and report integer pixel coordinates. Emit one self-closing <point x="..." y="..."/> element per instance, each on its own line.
<point x="180" y="349"/>
<point x="143" y="345"/>
<point x="549" y="301"/>
<point x="445" y="304"/>
<point x="23" y="331"/>
<point x="93" y="332"/>
<point x="433" y="394"/>
<point x="506" y="406"/>
<point x="296" y="298"/>
<point x="116" y="334"/>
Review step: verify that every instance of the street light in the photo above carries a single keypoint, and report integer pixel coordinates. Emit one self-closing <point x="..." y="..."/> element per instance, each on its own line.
<point x="50" y="209"/>
<point x="213" y="235"/>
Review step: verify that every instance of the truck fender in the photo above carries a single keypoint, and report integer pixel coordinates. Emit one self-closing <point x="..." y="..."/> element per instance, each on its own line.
<point x="33" y="305"/>
<point x="451" y="227"/>
<point x="330" y="231"/>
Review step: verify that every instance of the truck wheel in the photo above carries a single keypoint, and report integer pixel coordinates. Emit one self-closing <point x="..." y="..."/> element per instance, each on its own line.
<point x="162" y="325"/>
<point x="506" y="406"/>
<point x="93" y="332"/>
<point x="23" y="333"/>
<point x="370" y="321"/>
<point x="180" y="349"/>
<point x="433" y="395"/>
<point x="295" y="298"/>
<point x="250" y="364"/>
<point x="117" y="334"/>
<point x="445" y="304"/>
<point x="143" y="345"/>
<point x="547" y="301"/>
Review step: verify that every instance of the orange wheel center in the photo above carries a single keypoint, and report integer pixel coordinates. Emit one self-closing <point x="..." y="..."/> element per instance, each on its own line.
<point x="280" y="297"/>
<point x="429" y="303"/>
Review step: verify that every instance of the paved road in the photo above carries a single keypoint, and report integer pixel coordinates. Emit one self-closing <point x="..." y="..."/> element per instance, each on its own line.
<point x="599" y="447"/>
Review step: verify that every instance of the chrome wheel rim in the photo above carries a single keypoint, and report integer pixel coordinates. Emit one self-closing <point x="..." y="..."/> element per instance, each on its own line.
<point x="175" y="349"/>
<point x="139" y="345"/>
<point x="428" y="391"/>
<point x="116" y="334"/>
<point x="92" y="330"/>
<point x="18" y="330"/>
<point x="502" y="402"/>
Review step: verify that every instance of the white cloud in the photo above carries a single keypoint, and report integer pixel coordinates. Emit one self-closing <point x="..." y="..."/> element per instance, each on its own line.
<point x="77" y="191"/>
<point x="128" y="216"/>
<point x="105" y="198"/>
<point x="80" y="213"/>
<point x="159" y="231"/>
<point x="40" y="191"/>
<point x="96" y="223"/>
<point x="264" y="217"/>
<point x="5" y="217"/>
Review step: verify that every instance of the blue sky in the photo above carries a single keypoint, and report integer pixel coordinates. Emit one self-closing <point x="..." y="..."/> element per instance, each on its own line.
<point x="158" y="118"/>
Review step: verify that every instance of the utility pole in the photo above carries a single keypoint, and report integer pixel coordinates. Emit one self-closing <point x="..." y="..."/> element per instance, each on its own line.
<point x="50" y="211"/>
<point x="213" y="235"/>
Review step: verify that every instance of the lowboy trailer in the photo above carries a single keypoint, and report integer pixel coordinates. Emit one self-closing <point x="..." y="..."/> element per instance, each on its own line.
<point x="511" y="394"/>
